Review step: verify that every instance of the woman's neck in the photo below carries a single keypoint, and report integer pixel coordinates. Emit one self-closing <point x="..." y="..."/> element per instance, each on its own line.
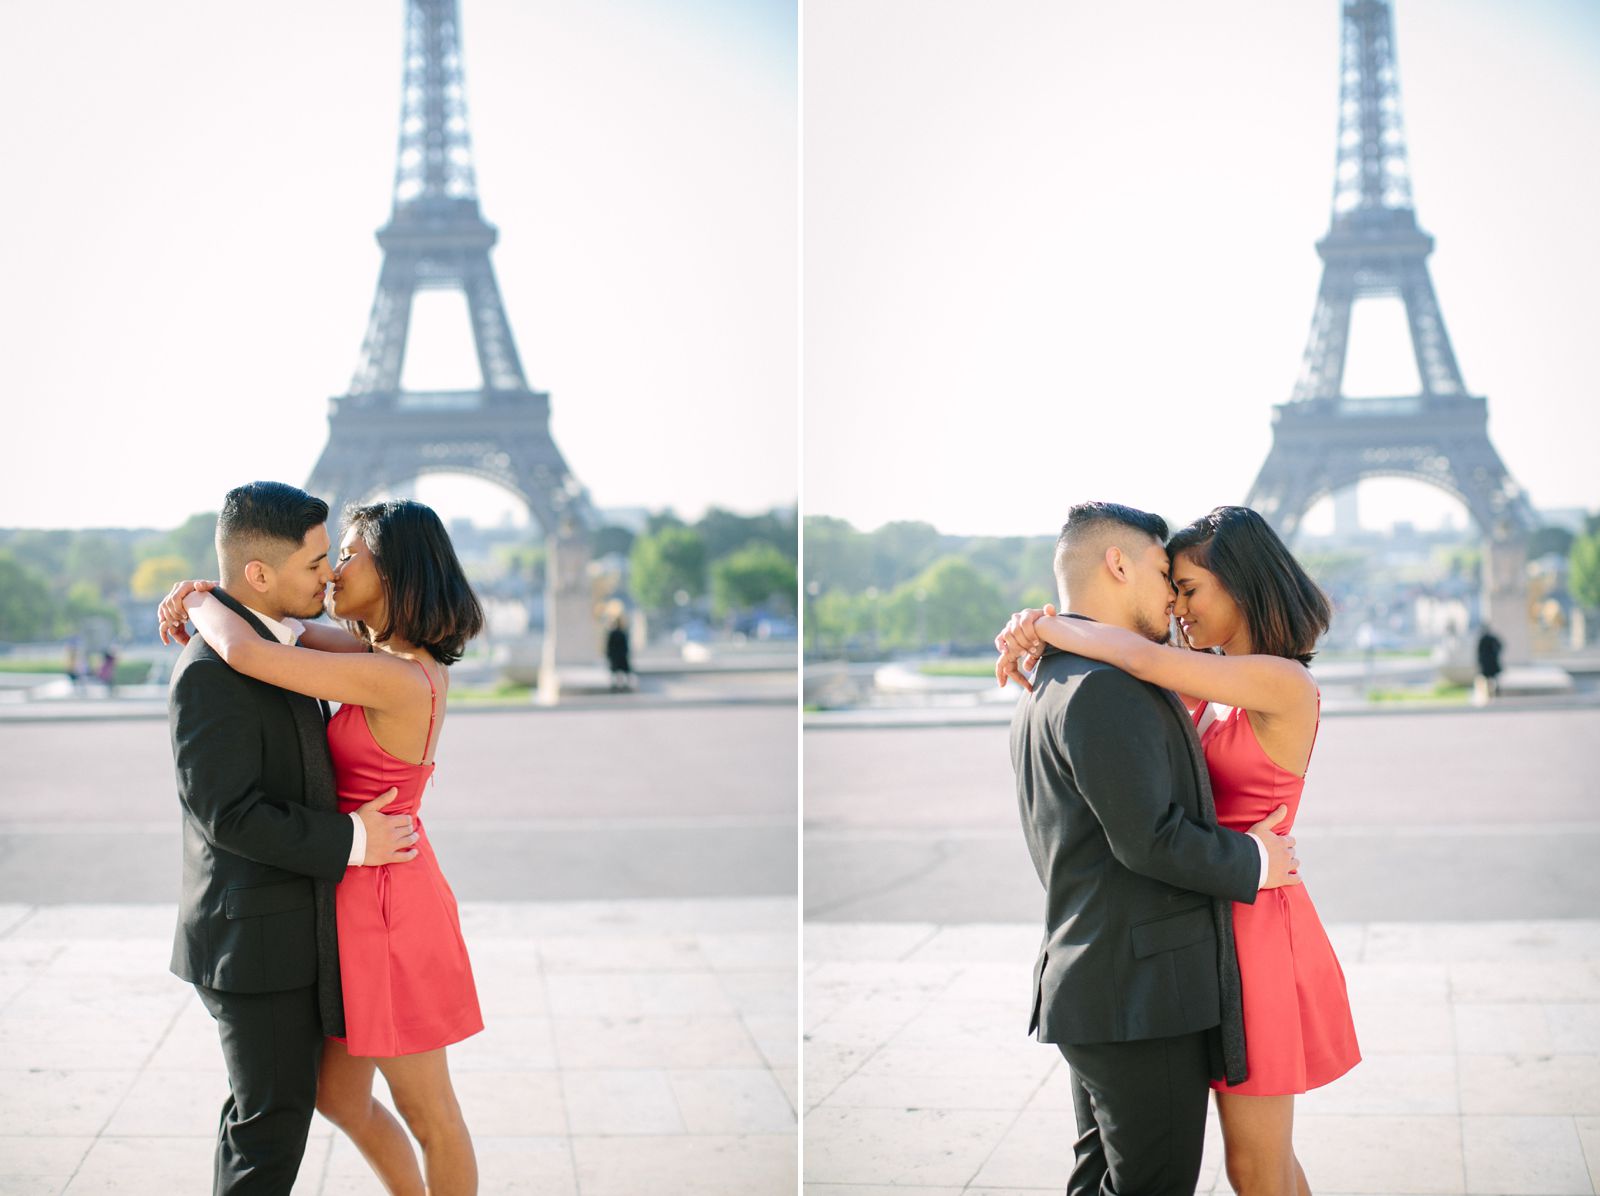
<point x="396" y="646"/>
<point x="1239" y="645"/>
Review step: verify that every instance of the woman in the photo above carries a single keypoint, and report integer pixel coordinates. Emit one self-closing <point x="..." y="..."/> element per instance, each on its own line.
<point x="1238" y="592"/>
<point x="407" y="981"/>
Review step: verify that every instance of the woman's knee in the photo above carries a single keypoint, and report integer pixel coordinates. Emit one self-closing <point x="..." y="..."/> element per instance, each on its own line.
<point x="1259" y="1169"/>
<point x="430" y="1116"/>
<point x="346" y="1108"/>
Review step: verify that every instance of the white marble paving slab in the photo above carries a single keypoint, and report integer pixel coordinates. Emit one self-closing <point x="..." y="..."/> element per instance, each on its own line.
<point x="1524" y="1156"/>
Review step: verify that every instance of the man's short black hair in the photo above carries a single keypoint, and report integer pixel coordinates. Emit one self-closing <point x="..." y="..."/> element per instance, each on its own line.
<point x="1088" y="526"/>
<point x="1086" y="516"/>
<point x="265" y="521"/>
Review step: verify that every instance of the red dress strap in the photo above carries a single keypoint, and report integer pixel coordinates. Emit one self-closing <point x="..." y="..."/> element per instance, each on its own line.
<point x="433" y="706"/>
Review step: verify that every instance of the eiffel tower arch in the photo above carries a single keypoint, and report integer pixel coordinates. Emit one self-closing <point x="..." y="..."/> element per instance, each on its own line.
<point x="381" y="435"/>
<point x="1323" y="441"/>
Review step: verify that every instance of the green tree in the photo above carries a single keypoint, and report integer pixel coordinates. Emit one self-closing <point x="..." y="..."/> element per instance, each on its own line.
<point x="666" y="563"/>
<point x="836" y="620"/>
<point x="1583" y="578"/>
<point x="195" y="540"/>
<point x="902" y="550"/>
<point x="101" y="563"/>
<point x="155" y="575"/>
<point x="45" y="552"/>
<point x="949" y="602"/>
<point x="27" y="611"/>
<point x="838" y="557"/>
<point x="751" y="576"/>
<point x="725" y="533"/>
<point x="662" y="520"/>
<point x="1035" y="598"/>
<point x="84" y="603"/>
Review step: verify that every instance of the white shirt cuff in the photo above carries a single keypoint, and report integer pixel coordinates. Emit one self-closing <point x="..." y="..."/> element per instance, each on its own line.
<point x="358" y="842"/>
<point x="1261" y="846"/>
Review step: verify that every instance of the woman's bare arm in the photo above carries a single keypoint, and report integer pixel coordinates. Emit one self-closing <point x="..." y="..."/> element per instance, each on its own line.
<point x="376" y="680"/>
<point x="325" y="637"/>
<point x="1268" y="684"/>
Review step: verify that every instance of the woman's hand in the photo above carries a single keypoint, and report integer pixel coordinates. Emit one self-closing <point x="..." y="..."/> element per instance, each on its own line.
<point x="1020" y="647"/>
<point x="172" y="614"/>
<point x="1020" y="635"/>
<point x="1010" y="667"/>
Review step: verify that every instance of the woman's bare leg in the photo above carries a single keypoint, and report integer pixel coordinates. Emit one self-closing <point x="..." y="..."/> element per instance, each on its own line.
<point x="344" y="1097"/>
<point x="424" y="1096"/>
<point x="1258" y="1145"/>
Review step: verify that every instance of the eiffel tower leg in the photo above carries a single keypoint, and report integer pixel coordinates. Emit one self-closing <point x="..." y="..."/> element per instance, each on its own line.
<point x="1505" y="596"/>
<point x="570" y="637"/>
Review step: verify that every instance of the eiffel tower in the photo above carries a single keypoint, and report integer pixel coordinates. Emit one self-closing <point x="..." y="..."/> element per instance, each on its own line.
<point x="381" y="436"/>
<point x="1323" y="441"/>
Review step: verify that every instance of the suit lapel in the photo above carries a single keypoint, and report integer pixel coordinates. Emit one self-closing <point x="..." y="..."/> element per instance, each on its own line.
<point x="1197" y="757"/>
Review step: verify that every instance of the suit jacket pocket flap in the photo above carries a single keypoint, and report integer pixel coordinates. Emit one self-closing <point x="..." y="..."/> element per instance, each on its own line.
<point x="1182" y="929"/>
<point x="268" y="899"/>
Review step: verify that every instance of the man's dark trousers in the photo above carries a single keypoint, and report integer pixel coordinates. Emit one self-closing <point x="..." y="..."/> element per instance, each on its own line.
<point x="272" y="1043"/>
<point x="1141" y="1113"/>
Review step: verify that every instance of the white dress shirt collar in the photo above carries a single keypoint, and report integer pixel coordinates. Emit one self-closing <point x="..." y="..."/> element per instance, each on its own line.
<point x="285" y="631"/>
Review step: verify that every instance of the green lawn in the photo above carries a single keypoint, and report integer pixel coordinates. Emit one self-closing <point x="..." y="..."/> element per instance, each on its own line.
<point x="506" y="691"/>
<point x="129" y="672"/>
<point x="1441" y="692"/>
<point x="957" y="668"/>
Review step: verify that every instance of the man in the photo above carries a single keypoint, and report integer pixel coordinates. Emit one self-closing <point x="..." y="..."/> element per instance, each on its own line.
<point x="264" y="843"/>
<point x="1136" y="982"/>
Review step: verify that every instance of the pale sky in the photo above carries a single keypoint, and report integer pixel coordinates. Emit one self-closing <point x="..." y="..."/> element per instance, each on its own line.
<point x="188" y="259"/>
<point x="1063" y="250"/>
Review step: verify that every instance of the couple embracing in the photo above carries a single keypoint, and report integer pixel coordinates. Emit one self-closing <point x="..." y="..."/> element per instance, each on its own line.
<point x="314" y="920"/>
<point x="1158" y="785"/>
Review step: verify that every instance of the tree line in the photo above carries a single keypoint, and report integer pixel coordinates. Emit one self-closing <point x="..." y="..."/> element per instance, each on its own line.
<point x="721" y="566"/>
<point x="907" y="587"/>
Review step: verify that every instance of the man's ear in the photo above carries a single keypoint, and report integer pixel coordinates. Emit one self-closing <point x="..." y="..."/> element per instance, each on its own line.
<point x="258" y="576"/>
<point x="1115" y="564"/>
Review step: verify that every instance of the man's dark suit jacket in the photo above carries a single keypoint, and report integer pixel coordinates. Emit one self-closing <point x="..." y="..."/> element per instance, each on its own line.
<point x="263" y="841"/>
<point x="1117" y="811"/>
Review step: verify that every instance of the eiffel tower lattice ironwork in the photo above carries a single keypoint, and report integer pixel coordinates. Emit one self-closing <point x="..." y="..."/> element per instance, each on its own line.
<point x="380" y="435"/>
<point x="1323" y="441"/>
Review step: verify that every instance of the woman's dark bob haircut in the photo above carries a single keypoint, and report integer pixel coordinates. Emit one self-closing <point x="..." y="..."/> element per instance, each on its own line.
<point x="429" y="601"/>
<point x="1284" y="609"/>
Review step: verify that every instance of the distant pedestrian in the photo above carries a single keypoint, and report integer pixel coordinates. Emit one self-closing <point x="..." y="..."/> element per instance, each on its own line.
<point x="107" y="672"/>
<point x="1489" y="648"/>
<point x="617" y="656"/>
<point x="77" y="663"/>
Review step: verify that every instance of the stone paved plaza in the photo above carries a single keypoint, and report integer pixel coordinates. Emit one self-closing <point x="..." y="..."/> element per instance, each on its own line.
<point x="630" y="1046"/>
<point x="1452" y="858"/>
<point x="627" y="877"/>
<point x="1480" y="1070"/>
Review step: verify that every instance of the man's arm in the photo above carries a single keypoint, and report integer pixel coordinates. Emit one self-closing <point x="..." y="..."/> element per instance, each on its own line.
<point x="1116" y="742"/>
<point x="216" y="746"/>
